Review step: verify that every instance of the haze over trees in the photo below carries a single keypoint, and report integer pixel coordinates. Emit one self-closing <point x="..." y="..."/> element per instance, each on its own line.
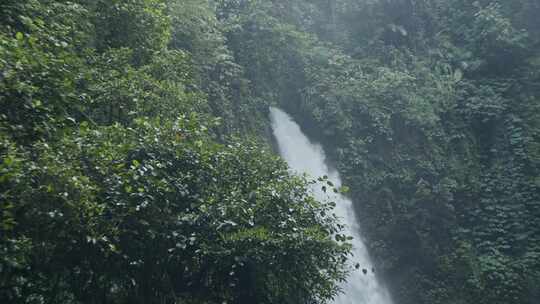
<point x="136" y="163"/>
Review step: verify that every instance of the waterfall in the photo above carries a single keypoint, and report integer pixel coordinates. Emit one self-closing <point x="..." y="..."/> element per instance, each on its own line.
<point x="303" y="156"/>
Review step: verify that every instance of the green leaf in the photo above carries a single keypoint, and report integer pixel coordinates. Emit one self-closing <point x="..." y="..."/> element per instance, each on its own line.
<point x="344" y="189"/>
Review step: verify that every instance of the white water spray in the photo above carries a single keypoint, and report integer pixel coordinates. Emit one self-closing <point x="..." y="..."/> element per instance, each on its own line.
<point x="306" y="157"/>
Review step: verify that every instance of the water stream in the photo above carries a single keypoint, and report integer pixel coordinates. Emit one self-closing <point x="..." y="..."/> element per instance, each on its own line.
<point x="303" y="156"/>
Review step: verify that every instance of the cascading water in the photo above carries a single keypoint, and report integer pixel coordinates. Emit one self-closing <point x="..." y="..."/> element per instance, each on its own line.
<point x="362" y="286"/>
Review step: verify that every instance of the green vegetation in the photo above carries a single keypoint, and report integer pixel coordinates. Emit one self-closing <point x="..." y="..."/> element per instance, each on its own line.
<point x="431" y="111"/>
<point x="133" y="163"/>
<point x="120" y="183"/>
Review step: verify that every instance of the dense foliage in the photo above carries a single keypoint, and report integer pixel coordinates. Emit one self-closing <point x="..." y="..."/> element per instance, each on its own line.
<point x="431" y="110"/>
<point x="120" y="181"/>
<point x="120" y="178"/>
